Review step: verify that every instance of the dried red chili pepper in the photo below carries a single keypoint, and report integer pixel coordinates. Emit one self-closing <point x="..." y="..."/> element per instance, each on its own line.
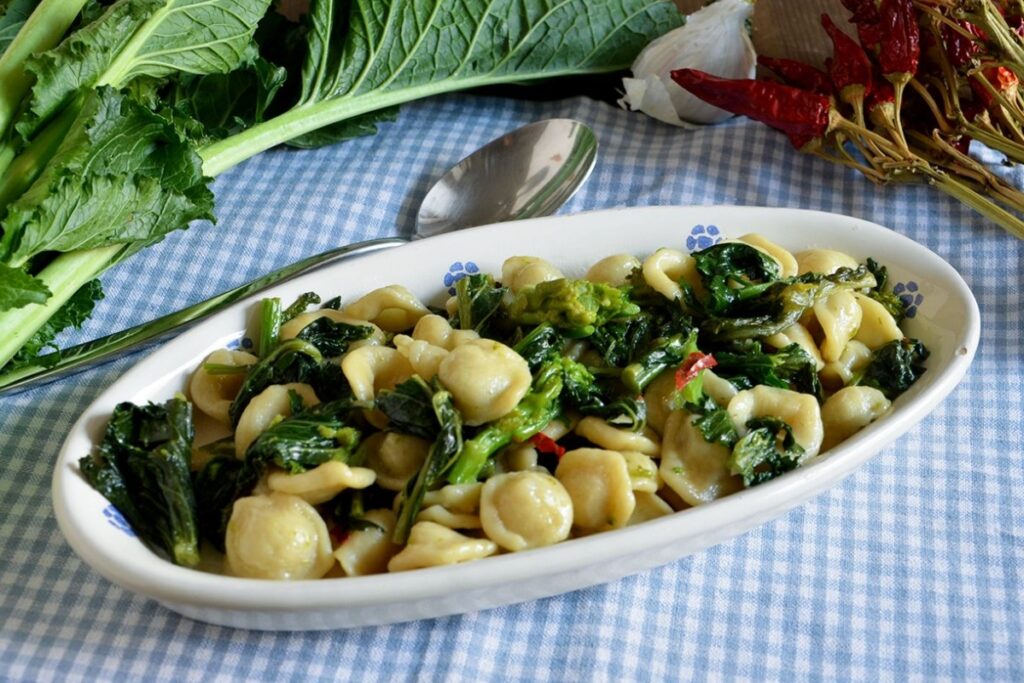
<point x="1004" y="81"/>
<point x="900" y="40"/>
<point x="866" y="18"/>
<point x="881" y="105"/>
<point x="802" y="115"/>
<point x="692" y="367"/>
<point x="960" y="49"/>
<point x="545" y="444"/>
<point x="798" y="74"/>
<point x="849" y="67"/>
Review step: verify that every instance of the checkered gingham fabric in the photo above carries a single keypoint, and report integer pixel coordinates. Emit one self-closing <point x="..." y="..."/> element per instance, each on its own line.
<point x="911" y="569"/>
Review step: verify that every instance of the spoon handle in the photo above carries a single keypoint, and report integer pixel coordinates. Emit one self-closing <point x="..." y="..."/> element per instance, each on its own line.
<point x="77" y="358"/>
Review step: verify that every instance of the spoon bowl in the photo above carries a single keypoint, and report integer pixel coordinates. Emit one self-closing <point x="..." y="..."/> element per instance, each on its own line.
<point x="526" y="173"/>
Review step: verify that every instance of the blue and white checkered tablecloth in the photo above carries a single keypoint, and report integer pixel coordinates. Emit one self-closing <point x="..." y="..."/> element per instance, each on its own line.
<point x="911" y="569"/>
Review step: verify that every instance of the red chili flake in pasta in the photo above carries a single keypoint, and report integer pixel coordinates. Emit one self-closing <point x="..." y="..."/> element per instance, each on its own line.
<point x="545" y="444"/>
<point x="692" y="367"/>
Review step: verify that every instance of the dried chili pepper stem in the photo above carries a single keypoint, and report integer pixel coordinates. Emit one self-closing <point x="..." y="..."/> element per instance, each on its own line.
<point x="977" y="201"/>
<point x="940" y="118"/>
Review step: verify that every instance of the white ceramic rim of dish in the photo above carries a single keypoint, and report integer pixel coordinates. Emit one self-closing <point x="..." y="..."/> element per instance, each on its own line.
<point x="164" y="581"/>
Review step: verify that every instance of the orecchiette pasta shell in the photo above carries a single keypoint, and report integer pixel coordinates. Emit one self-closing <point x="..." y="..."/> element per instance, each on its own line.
<point x="367" y="551"/>
<point x="659" y="399"/>
<point x="279" y="536"/>
<point x="600" y="488"/>
<point x="800" y="411"/>
<point x="395" y="458"/>
<point x="436" y="331"/>
<point x="877" y="327"/>
<point x="613" y="270"/>
<point x="825" y="261"/>
<point x="696" y="470"/>
<point x="600" y="433"/>
<point x="264" y="408"/>
<point x="518" y="272"/>
<point x="522" y="510"/>
<point x="432" y="545"/>
<point x="321" y="483"/>
<point x="486" y="379"/>
<point x="370" y="369"/>
<point x="787" y="262"/>
<point x="855" y="357"/>
<point x="213" y="393"/>
<point x="516" y="457"/>
<point x="797" y="334"/>
<point x="643" y="471"/>
<point x="452" y="520"/>
<point x="663" y="270"/>
<point x="463" y="498"/>
<point x="840" y="317"/>
<point x="424" y="357"/>
<point x="719" y="389"/>
<point x="393" y="308"/>
<point x="849" y="410"/>
<point x="648" y="506"/>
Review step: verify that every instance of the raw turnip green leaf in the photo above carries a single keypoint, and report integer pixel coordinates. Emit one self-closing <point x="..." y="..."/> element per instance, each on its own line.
<point x="122" y="174"/>
<point x="154" y="38"/>
<point x="13" y="14"/>
<point x="18" y="288"/>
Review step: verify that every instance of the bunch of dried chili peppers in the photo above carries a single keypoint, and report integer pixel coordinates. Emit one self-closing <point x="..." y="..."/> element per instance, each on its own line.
<point x="902" y="101"/>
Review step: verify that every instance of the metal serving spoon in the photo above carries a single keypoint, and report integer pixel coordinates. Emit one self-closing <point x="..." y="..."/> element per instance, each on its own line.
<point x="526" y="173"/>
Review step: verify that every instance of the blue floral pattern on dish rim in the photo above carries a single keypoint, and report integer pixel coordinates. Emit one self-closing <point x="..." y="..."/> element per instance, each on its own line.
<point x="703" y="236"/>
<point x="117" y="520"/>
<point x="910" y="294"/>
<point x="456" y="271"/>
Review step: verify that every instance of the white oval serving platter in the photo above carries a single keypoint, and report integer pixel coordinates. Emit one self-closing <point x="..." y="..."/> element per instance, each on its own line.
<point x="944" y="315"/>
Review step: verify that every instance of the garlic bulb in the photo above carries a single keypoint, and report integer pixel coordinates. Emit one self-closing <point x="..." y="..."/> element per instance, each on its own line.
<point x="714" y="39"/>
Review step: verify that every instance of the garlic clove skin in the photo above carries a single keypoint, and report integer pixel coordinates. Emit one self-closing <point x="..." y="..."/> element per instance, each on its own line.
<point x="714" y="39"/>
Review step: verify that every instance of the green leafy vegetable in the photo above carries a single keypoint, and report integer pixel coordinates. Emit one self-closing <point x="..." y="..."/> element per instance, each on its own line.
<point x="767" y="451"/>
<point x="410" y="408"/>
<point x="308" y="438"/>
<point x="478" y="300"/>
<point x="583" y="392"/>
<point x="292" y="361"/>
<point x="331" y="337"/>
<point x="532" y="414"/>
<point x="72" y="315"/>
<point x="270" y="326"/>
<point x="13" y="14"/>
<point x="714" y="422"/>
<point x="664" y="353"/>
<point x="18" y="288"/>
<point x="733" y="272"/>
<point x="443" y="452"/>
<point x="895" y="367"/>
<point x="747" y="365"/>
<point x="142" y="467"/>
<point x="299" y="306"/>
<point x="222" y="480"/>
<point x="882" y="294"/>
<point x="542" y="344"/>
<point x="575" y="306"/>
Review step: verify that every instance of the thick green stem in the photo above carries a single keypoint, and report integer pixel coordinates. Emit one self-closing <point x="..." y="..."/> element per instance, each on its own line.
<point x="979" y="203"/>
<point x="43" y="30"/>
<point x="64" y="276"/>
<point x="27" y="166"/>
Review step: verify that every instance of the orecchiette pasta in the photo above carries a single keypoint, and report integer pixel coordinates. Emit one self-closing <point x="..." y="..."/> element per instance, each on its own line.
<point x="432" y="545"/>
<point x="663" y="270"/>
<point x="800" y="411"/>
<point x="787" y="263"/>
<point x="321" y="483"/>
<point x="213" y="393"/>
<point x="467" y="454"/>
<point x="395" y="457"/>
<point x="600" y="433"/>
<point x="393" y="308"/>
<point x="600" y="488"/>
<point x="877" y="326"/>
<point x="839" y="316"/>
<point x="696" y="470"/>
<point x="825" y="261"/>
<point x="368" y="550"/>
<point x="271" y="404"/>
<point x="613" y="270"/>
<point x="849" y="410"/>
<point x="278" y="536"/>
<point x="486" y="378"/>
<point x="522" y="510"/>
<point x="525" y="271"/>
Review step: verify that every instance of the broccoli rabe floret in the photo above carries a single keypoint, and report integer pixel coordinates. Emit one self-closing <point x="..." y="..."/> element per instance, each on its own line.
<point x="576" y="306"/>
